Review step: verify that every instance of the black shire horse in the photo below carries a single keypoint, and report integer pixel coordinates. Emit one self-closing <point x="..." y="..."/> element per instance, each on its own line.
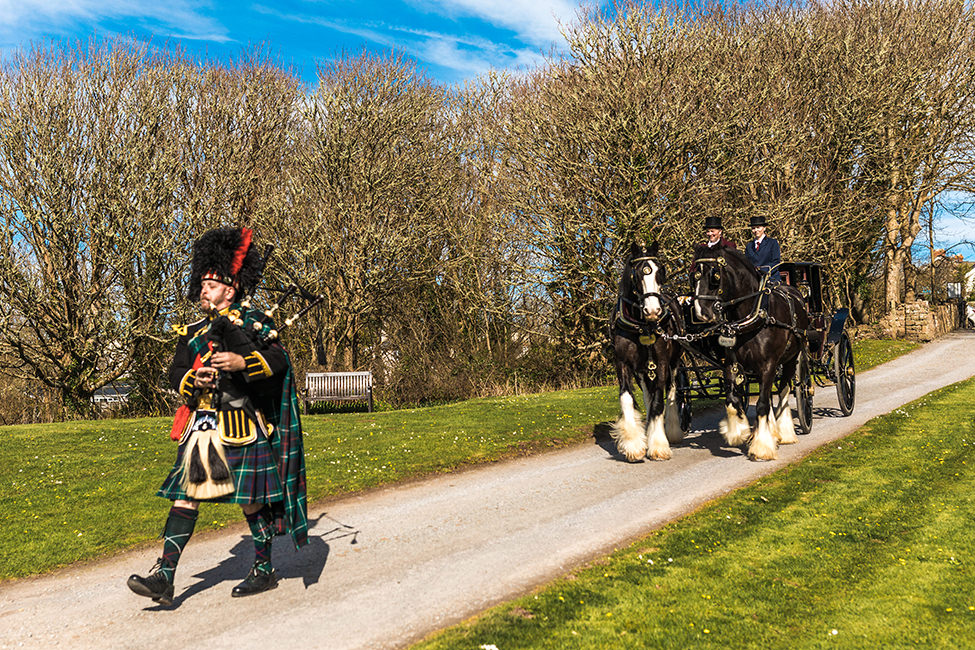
<point x="762" y="327"/>
<point x="642" y="314"/>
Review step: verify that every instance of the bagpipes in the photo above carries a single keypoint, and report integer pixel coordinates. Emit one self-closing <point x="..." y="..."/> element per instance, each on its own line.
<point x="228" y="333"/>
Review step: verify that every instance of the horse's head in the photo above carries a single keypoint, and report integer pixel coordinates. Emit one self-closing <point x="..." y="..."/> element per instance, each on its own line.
<point x="719" y="275"/>
<point x="643" y="277"/>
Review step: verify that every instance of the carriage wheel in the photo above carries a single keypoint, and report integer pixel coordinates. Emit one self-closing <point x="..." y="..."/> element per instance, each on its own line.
<point x="846" y="382"/>
<point x="683" y="397"/>
<point x="804" y="393"/>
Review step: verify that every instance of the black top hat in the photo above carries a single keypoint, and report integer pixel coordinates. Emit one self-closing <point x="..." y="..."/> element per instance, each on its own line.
<point x="756" y="221"/>
<point x="226" y="255"/>
<point x="713" y="222"/>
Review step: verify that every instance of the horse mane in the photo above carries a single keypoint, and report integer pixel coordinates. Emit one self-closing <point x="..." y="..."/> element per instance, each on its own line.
<point x="743" y="261"/>
<point x="733" y="253"/>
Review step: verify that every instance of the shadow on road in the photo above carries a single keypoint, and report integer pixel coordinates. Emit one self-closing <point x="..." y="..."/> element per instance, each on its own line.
<point x="711" y="440"/>
<point x="307" y="563"/>
<point x="703" y="435"/>
<point x="827" y="412"/>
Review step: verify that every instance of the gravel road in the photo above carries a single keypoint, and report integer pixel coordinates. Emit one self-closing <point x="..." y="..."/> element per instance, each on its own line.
<point x="389" y="567"/>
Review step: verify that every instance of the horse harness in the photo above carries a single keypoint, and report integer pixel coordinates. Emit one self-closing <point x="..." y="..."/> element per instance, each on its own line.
<point x="758" y="318"/>
<point x="638" y="329"/>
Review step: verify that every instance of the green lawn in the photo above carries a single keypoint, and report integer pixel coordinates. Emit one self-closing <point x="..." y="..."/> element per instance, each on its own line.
<point x="866" y="544"/>
<point x="77" y="490"/>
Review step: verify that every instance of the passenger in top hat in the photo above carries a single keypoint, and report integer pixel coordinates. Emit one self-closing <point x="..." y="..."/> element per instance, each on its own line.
<point x="714" y="232"/>
<point x="763" y="251"/>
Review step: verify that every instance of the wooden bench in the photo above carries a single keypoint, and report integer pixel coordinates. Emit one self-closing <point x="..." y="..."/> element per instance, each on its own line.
<point x="338" y="387"/>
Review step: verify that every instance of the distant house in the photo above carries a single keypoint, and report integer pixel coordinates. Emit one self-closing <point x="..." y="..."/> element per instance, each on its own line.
<point x="112" y="394"/>
<point x="969" y="282"/>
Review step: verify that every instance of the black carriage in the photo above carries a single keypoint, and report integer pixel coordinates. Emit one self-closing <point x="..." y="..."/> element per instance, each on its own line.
<point x="828" y="358"/>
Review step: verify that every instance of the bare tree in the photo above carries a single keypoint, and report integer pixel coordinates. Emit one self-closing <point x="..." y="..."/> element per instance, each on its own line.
<point x="376" y="180"/>
<point x="87" y="173"/>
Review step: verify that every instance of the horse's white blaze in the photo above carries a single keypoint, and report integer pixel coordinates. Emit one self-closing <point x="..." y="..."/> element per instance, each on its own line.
<point x="733" y="428"/>
<point x="671" y="417"/>
<point x="763" y="444"/>
<point x="628" y="431"/>
<point x="698" y="312"/>
<point x="658" y="447"/>
<point x="783" y="419"/>
<point x="651" y="304"/>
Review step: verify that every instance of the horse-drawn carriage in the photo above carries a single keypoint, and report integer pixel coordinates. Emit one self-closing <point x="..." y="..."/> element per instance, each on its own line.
<point x="736" y="335"/>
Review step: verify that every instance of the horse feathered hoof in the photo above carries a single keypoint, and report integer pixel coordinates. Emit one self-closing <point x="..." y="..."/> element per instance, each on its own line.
<point x="630" y="438"/>
<point x="734" y="429"/>
<point x="660" y="454"/>
<point x="762" y="452"/>
<point x="633" y="454"/>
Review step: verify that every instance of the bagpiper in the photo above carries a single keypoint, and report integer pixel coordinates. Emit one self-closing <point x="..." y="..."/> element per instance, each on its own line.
<point x="239" y="430"/>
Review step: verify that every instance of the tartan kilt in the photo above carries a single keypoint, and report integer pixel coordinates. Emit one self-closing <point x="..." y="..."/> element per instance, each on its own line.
<point x="253" y="468"/>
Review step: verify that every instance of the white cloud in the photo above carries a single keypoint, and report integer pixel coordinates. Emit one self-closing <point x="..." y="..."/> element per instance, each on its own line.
<point x="537" y="21"/>
<point x="166" y="18"/>
<point x="464" y="53"/>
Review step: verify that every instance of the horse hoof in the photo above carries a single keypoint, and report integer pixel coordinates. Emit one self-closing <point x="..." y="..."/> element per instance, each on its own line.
<point x="633" y="456"/>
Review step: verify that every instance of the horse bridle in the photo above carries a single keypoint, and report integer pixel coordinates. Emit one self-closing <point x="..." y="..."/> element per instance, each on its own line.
<point x="666" y="300"/>
<point x="718" y="305"/>
<point x="636" y="278"/>
<point x="758" y="316"/>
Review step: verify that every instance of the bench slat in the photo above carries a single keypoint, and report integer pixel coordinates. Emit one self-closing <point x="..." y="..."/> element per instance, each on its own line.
<point x="338" y="387"/>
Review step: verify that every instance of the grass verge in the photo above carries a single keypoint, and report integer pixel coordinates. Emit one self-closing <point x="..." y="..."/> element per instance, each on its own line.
<point x="868" y="353"/>
<point x="867" y="543"/>
<point x="74" y="491"/>
<point x="77" y="490"/>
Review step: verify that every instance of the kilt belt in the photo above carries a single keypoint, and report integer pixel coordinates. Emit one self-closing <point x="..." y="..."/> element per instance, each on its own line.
<point x="235" y="426"/>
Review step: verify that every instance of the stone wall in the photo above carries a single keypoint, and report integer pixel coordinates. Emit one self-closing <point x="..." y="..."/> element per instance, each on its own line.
<point x="919" y="321"/>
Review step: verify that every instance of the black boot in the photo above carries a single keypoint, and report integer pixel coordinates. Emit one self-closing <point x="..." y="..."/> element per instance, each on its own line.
<point x="156" y="585"/>
<point x="255" y="582"/>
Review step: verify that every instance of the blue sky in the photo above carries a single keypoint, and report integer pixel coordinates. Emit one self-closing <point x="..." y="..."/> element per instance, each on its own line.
<point x="451" y="40"/>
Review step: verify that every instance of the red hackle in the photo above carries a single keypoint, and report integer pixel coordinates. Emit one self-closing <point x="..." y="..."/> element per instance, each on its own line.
<point x="241" y="253"/>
